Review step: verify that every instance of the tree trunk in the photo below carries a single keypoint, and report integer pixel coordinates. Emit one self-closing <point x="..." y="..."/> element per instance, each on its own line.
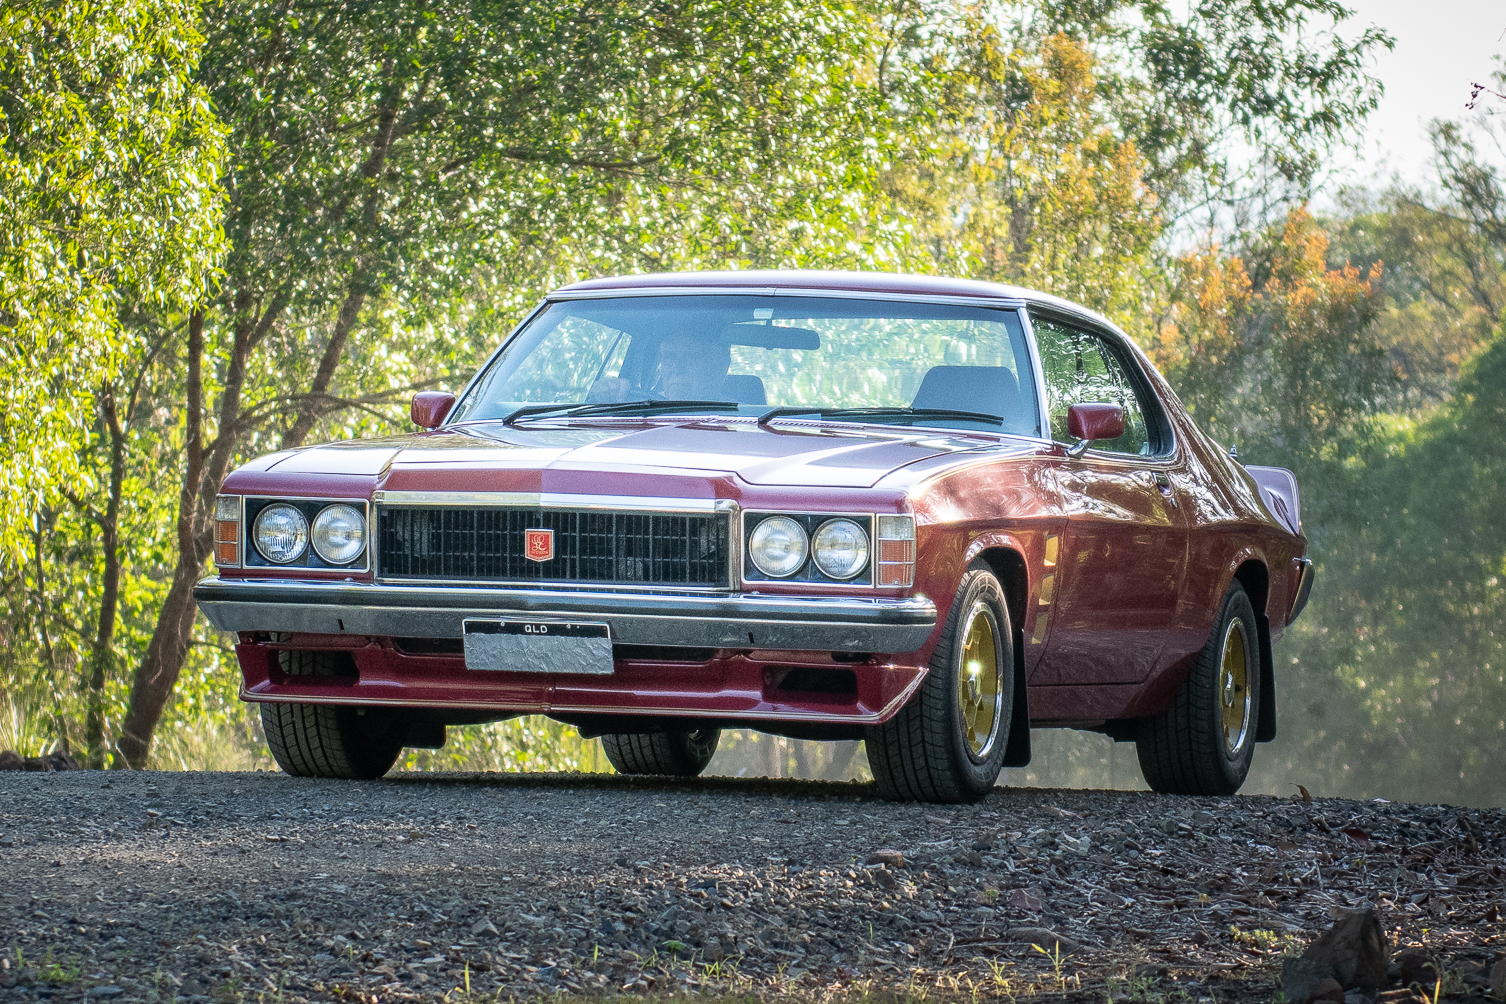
<point x="159" y="669"/>
<point x="104" y="639"/>
<point x="206" y="466"/>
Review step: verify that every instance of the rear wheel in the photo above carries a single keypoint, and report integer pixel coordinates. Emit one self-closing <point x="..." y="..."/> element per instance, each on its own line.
<point x="947" y="744"/>
<point x="680" y="753"/>
<point x="322" y="740"/>
<point x="1204" y="743"/>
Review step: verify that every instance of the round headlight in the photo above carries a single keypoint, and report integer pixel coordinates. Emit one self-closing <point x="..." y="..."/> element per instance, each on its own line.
<point x="840" y="548"/>
<point x="778" y="546"/>
<point x="281" y="533"/>
<point x="339" y="534"/>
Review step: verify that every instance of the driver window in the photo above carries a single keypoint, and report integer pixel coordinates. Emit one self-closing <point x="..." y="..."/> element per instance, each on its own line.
<point x="1081" y="368"/>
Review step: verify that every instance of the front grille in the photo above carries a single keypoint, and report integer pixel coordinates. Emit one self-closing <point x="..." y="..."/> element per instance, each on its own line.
<point x="478" y="545"/>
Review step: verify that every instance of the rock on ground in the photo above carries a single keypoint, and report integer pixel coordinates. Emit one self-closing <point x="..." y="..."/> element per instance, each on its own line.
<point x="223" y="888"/>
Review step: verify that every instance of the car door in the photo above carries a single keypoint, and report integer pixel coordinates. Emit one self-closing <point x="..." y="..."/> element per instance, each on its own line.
<point x="1123" y="554"/>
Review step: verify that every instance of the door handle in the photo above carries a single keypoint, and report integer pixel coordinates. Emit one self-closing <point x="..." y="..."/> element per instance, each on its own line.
<point x="1164" y="483"/>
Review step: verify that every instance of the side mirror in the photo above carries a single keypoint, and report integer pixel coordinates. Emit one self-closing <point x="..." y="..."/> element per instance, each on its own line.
<point x="430" y="407"/>
<point x="1089" y="422"/>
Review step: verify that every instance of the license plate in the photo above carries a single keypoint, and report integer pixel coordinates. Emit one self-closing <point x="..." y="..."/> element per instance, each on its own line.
<point x="538" y="647"/>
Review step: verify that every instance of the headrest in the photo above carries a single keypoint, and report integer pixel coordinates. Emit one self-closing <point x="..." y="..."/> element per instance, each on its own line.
<point x="744" y="388"/>
<point x="991" y="390"/>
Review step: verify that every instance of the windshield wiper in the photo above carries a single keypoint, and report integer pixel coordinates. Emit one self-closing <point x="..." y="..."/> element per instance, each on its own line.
<point x="614" y="408"/>
<point x="862" y="413"/>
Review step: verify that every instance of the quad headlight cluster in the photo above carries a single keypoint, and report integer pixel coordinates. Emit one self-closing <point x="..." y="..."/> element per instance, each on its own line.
<point x="811" y="547"/>
<point x="308" y="532"/>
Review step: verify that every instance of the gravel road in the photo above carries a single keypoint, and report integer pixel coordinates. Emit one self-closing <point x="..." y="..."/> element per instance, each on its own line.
<point x="260" y="887"/>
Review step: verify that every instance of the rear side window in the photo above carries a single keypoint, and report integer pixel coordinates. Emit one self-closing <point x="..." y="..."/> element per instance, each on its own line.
<point x="1080" y="367"/>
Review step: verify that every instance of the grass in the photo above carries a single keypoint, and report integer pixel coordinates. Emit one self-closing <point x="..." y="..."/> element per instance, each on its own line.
<point x="25" y="724"/>
<point x="1260" y="940"/>
<point x="54" y="971"/>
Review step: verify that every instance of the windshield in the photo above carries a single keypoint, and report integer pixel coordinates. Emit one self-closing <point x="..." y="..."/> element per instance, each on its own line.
<point x="898" y="363"/>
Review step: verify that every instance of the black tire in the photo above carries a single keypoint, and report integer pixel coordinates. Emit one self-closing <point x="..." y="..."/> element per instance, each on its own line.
<point x="930" y="752"/>
<point x="1191" y="748"/>
<point x="681" y="753"/>
<point x="322" y="740"/>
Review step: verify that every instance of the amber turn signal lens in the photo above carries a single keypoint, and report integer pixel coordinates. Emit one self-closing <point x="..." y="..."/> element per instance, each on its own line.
<point x="227" y="531"/>
<point x="896" y="551"/>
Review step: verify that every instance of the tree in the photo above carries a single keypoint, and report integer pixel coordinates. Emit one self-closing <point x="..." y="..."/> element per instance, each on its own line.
<point x="1063" y="143"/>
<point x="108" y="198"/>
<point x="388" y="158"/>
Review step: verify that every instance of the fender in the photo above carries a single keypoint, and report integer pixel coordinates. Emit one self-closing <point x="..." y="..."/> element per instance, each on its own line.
<point x="1023" y="591"/>
<point x="1265" y="726"/>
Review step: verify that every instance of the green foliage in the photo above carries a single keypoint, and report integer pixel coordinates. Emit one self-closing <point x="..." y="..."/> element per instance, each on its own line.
<point x="1412" y="618"/>
<point x="108" y="162"/>
<point x="519" y="744"/>
<point x="109" y="205"/>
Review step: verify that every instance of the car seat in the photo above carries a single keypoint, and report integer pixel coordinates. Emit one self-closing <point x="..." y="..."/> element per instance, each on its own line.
<point x="744" y="388"/>
<point x="991" y="390"/>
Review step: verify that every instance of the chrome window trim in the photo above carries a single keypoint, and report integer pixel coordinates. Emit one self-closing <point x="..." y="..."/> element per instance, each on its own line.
<point x="1129" y="355"/>
<point x="1043" y="414"/>
<point x="754" y="584"/>
<point x="991" y="302"/>
<point x="365" y="505"/>
<point x="1016" y="303"/>
<point x="561" y="500"/>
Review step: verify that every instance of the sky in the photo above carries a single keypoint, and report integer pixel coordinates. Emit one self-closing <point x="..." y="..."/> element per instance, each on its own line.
<point x="1441" y="47"/>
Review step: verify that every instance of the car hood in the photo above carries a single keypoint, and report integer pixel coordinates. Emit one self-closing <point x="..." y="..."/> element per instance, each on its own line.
<point x="787" y="454"/>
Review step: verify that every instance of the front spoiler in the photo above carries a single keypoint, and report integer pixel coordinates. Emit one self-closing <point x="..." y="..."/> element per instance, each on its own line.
<point x="835" y="624"/>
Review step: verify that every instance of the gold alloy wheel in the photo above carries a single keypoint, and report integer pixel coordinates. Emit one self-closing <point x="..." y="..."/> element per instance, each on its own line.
<point x="979" y="695"/>
<point x="1235" y="697"/>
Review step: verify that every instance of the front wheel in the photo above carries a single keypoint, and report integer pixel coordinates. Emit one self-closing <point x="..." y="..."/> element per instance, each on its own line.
<point x="947" y="744"/>
<point x="1204" y="743"/>
<point x="321" y="740"/>
<point x="677" y="753"/>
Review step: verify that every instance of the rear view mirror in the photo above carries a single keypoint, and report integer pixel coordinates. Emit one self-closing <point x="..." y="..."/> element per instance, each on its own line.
<point x="430" y="408"/>
<point x="772" y="336"/>
<point x="1088" y="423"/>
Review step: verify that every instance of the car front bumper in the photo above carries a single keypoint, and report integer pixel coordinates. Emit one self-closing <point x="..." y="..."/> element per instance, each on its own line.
<point x="836" y="624"/>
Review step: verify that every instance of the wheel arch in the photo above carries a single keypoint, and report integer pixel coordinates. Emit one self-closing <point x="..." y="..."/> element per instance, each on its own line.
<point x="1255" y="576"/>
<point x="1008" y="566"/>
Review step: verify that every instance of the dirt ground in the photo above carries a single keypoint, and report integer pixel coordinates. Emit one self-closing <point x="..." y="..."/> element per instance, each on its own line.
<point x="239" y="887"/>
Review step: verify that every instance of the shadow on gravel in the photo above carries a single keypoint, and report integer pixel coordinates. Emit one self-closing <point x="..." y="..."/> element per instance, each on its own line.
<point x="782" y="787"/>
<point x="851" y="791"/>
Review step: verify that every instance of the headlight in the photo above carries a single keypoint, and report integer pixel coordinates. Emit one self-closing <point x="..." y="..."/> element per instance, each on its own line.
<point x="778" y="546"/>
<point x="339" y="534"/>
<point x="281" y="533"/>
<point x="840" y="548"/>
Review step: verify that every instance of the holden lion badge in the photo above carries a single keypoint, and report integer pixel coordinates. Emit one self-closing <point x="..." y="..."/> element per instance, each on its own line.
<point x="538" y="545"/>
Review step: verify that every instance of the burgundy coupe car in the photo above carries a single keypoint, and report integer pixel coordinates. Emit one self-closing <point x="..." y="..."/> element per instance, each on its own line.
<point x="931" y="514"/>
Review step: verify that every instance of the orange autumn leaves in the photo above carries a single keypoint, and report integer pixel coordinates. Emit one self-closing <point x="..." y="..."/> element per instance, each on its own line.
<point x="1289" y="352"/>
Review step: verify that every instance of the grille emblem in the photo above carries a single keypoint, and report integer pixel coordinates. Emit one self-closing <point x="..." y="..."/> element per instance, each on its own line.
<point x="538" y="545"/>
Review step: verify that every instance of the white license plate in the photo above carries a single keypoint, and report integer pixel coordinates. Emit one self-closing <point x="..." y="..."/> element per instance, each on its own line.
<point x="538" y="647"/>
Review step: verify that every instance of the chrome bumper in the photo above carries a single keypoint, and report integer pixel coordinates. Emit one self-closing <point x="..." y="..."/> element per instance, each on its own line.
<point x="836" y="624"/>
